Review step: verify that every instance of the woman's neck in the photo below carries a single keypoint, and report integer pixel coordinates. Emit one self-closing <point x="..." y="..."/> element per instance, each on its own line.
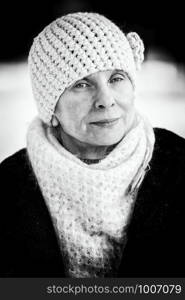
<point x="82" y="150"/>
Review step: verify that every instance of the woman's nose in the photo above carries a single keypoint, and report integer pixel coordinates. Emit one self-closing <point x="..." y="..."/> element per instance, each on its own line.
<point x="104" y="99"/>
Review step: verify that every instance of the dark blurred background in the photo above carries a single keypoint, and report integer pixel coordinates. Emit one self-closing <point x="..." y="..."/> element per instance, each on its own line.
<point x="160" y="24"/>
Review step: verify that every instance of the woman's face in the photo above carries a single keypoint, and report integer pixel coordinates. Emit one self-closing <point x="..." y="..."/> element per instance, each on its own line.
<point x="98" y="109"/>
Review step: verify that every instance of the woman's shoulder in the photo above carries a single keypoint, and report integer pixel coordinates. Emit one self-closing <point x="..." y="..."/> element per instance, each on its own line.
<point x="168" y="160"/>
<point x="16" y="162"/>
<point x="169" y="143"/>
<point x="18" y="155"/>
<point x="18" y="184"/>
<point x="16" y="171"/>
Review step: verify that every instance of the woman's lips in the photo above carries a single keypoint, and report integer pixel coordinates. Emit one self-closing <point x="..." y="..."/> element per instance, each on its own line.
<point x="105" y="122"/>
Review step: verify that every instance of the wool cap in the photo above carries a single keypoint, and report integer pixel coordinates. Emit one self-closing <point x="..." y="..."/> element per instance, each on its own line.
<point x="75" y="46"/>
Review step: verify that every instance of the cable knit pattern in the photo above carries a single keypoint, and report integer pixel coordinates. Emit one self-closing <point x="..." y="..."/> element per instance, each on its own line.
<point x="89" y="204"/>
<point x="72" y="47"/>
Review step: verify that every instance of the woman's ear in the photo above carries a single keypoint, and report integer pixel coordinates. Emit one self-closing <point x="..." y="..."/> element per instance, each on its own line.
<point x="54" y="121"/>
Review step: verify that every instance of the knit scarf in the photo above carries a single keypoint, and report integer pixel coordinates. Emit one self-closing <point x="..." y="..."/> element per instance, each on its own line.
<point x="90" y="205"/>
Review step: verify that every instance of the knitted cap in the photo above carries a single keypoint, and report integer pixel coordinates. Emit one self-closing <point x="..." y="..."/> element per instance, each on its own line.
<point x="75" y="46"/>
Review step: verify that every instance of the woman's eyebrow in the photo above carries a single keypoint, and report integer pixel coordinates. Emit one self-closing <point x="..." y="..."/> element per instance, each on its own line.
<point x="118" y="71"/>
<point x="84" y="78"/>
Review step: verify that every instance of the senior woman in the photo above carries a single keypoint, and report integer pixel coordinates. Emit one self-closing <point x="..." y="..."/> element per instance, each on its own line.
<point x="97" y="192"/>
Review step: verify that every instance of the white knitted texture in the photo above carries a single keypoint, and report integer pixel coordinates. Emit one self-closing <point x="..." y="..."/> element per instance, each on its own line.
<point x="89" y="204"/>
<point x="137" y="47"/>
<point x="70" y="48"/>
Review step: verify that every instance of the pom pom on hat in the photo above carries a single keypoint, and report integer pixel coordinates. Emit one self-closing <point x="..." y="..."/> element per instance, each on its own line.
<point x="75" y="46"/>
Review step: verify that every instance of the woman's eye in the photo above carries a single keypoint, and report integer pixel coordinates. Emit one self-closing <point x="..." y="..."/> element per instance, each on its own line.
<point x="81" y="85"/>
<point x="117" y="78"/>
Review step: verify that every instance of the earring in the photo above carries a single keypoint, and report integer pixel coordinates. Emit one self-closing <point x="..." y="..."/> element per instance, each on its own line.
<point x="54" y="121"/>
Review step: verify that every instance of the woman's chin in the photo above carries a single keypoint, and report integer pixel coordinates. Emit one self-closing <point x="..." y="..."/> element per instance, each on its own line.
<point x="107" y="140"/>
<point x="107" y="135"/>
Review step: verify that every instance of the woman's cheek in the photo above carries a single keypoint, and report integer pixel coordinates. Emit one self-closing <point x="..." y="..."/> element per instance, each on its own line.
<point x="77" y="117"/>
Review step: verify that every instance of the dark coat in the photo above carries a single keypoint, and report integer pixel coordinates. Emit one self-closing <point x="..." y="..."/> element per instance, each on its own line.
<point x="155" y="237"/>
